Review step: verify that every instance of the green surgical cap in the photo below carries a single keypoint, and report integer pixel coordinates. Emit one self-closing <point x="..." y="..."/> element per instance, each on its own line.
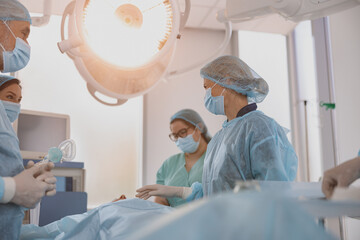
<point x="13" y="10"/>
<point x="231" y="72"/>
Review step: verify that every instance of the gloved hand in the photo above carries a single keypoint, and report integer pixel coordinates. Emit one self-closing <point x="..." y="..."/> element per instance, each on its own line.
<point x="45" y="175"/>
<point x="341" y="176"/>
<point x="33" y="183"/>
<point x="162" y="191"/>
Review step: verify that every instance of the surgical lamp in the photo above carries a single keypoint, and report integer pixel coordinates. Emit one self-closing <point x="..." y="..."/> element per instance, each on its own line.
<point x="121" y="48"/>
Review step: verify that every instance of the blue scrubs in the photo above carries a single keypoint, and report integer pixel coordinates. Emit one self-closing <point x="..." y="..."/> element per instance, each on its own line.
<point x="11" y="164"/>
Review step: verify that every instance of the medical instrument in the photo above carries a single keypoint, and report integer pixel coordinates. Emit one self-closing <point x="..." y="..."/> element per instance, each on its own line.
<point x="66" y="151"/>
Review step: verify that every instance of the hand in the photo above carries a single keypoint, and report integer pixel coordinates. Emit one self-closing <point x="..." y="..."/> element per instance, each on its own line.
<point x="341" y="176"/>
<point x="33" y="183"/>
<point x="159" y="190"/>
<point x="45" y="175"/>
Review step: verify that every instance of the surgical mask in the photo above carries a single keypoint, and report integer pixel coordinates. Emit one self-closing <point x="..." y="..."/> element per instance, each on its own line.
<point x="12" y="110"/>
<point x="187" y="144"/>
<point x="18" y="58"/>
<point x="214" y="104"/>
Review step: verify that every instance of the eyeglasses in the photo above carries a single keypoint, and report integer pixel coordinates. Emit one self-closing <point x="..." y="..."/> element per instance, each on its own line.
<point x="182" y="133"/>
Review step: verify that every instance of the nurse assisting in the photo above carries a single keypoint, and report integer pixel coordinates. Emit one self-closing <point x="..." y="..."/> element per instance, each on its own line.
<point x="190" y="134"/>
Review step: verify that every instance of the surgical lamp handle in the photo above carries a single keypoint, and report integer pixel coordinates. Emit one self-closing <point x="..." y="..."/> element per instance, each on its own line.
<point x="70" y="45"/>
<point x="221" y="49"/>
<point x="92" y="91"/>
<point x="185" y="15"/>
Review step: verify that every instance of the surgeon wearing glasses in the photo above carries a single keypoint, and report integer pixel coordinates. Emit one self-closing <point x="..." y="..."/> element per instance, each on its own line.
<point x="250" y="145"/>
<point x="190" y="134"/>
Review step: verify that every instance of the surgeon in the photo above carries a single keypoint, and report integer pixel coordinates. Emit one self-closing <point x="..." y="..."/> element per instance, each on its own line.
<point x="18" y="187"/>
<point x="250" y="144"/>
<point x="191" y="136"/>
<point x="14" y="30"/>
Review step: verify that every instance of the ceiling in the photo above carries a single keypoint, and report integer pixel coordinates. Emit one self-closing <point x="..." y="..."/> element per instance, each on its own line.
<point x="202" y="15"/>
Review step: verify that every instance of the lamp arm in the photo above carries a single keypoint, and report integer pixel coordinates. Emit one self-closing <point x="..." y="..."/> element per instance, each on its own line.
<point x="221" y="49"/>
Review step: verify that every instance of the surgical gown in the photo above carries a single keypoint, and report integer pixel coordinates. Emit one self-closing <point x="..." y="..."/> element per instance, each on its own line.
<point x="253" y="146"/>
<point x="11" y="164"/>
<point x="173" y="173"/>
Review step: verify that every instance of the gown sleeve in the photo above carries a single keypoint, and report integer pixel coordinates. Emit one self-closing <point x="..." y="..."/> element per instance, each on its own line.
<point x="197" y="192"/>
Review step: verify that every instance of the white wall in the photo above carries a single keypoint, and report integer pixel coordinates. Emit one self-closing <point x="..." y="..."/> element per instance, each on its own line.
<point x="307" y="89"/>
<point x="345" y="43"/>
<point x="260" y="51"/>
<point x="184" y="91"/>
<point x="107" y="138"/>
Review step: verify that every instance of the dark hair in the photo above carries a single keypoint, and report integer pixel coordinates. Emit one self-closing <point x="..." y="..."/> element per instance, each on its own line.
<point x="10" y="82"/>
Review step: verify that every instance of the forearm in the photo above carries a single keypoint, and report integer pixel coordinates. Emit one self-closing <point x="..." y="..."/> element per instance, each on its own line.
<point x="356" y="164"/>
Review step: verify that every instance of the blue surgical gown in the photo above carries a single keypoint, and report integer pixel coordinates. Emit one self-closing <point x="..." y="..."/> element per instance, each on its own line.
<point x="253" y="146"/>
<point x="173" y="173"/>
<point x="11" y="164"/>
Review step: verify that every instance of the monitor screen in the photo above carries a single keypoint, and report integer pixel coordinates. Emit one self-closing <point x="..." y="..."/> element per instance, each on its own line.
<point x="40" y="131"/>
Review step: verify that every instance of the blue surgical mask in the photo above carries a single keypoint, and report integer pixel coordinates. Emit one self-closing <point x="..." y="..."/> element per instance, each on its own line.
<point x="18" y="58"/>
<point x="214" y="104"/>
<point x="187" y="144"/>
<point x="12" y="110"/>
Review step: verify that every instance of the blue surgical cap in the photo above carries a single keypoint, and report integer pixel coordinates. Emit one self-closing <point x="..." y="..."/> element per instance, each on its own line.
<point x="13" y="10"/>
<point x="193" y="118"/>
<point x="232" y="73"/>
<point x="5" y="78"/>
